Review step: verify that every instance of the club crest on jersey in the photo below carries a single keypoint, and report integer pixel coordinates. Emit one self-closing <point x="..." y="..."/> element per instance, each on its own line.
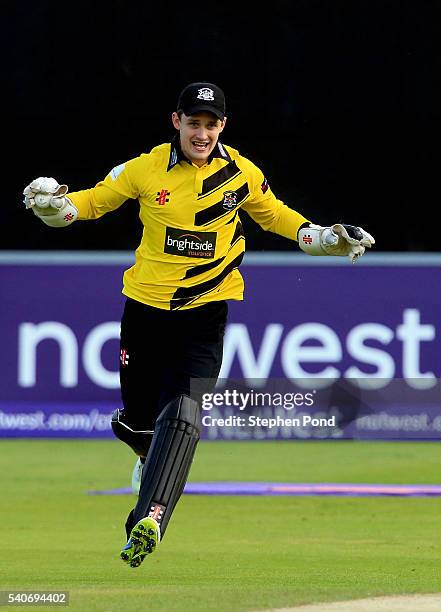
<point x="205" y="93"/>
<point x="124" y="357"/>
<point x="230" y="200"/>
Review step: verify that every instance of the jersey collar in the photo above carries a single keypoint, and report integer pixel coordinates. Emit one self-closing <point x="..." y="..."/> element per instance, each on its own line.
<point x="177" y="156"/>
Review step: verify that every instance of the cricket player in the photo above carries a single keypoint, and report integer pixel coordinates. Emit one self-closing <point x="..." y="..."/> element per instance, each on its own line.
<point x="190" y="192"/>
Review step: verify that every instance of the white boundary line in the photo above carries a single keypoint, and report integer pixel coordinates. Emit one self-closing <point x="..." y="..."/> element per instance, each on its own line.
<point x="277" y="258"/>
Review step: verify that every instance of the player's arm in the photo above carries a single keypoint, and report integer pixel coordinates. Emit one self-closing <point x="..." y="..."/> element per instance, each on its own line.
<point x="50" y="202"/>
<point x="269" y="212"/>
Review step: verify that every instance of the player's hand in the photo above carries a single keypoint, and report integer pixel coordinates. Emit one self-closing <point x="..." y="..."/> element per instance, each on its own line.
<point x="48" y="201"/>
<point x="338" y="239"/>
<point x="347" y="240"/>
<point x="44" y="192"/>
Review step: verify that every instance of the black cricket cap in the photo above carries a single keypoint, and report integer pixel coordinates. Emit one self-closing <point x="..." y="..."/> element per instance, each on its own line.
<point x="199" y="97"/>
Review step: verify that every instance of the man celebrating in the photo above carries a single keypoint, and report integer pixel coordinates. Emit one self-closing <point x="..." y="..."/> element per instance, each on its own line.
<point x="190" y="192"/>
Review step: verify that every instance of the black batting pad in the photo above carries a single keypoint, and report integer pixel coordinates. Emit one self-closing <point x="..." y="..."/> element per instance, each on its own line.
<point x="139" y="441"/>
<point x="169" y="460"/>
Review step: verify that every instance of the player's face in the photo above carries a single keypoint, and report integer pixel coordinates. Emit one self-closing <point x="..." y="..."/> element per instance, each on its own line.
<point x="198" y="135"/>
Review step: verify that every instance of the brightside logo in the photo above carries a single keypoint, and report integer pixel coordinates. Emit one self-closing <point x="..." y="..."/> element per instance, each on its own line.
<point x="187" y="243"/>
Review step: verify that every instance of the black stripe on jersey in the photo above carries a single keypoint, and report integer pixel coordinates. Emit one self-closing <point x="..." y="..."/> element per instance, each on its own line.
<point x="238" y="233"/>
<point x="216" y="180"/>
<point x="233" y="219"/>
<point x="201" y="268"/>
<point x="203" y="217"/>
<point x="186" y="295"/>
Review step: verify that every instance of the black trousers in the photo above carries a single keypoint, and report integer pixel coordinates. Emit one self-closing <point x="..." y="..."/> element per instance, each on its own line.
<point x="161" y="351"/>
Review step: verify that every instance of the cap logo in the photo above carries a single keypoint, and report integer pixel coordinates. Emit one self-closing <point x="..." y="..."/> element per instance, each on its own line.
<point x="205" y="93"/>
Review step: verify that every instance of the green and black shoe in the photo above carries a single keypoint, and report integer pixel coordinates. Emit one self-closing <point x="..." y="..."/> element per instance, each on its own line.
<point x="144" y="537"/>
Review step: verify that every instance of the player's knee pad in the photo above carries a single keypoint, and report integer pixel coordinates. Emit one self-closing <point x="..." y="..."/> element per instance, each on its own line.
<point x="169" y="460"/>
<point x="139" y="441"/>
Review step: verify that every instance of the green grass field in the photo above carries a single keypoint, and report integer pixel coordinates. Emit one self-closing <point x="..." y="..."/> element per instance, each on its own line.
<point x="221" y="553"/>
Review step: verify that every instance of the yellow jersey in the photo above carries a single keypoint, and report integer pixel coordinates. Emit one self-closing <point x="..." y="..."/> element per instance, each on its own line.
<point x="192" y="242"/>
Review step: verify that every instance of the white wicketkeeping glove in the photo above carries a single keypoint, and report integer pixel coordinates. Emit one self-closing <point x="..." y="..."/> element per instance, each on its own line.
<point x="343" y="240"/>
<point x="48" y="201"/>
